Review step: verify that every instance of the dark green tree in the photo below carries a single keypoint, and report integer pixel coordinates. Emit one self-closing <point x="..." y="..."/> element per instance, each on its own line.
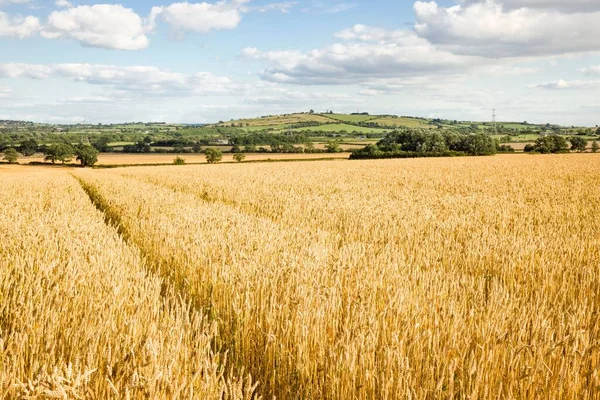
<point x="62" y="152"/>
<point x="86" y="155"/>
<point x="333" y="147"/>
<point x="139" y="147"/>
<point x="28" y="147"/>
<point x="197" y="148"/>
<point x="478" y="144"/>
<point x="595" y="147"/>
<point x="213" y="155"/>
<point x="578" y="144"/>
<point x="11" y="155"/>
<point x="551" y="144"/>
<point x="101" y="144"/>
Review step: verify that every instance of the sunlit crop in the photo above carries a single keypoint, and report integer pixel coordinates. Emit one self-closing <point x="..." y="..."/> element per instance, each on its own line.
<point x="426" y="278"/>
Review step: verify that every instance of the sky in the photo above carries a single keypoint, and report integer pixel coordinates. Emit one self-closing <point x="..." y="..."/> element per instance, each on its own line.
<point x="200" y="62"/>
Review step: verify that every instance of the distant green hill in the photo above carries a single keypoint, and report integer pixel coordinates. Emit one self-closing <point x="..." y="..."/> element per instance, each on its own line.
<point x="366" y="123"/>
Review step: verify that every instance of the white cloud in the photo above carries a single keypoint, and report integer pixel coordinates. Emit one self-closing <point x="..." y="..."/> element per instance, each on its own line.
<point x="591" y="71"/>
<point x="5" y="91"/>
<point x="101" y="25"/>
<point x="18" y="27"/>
<point x="200" y="17"/>
<point x="487" y="28"/>
<point x="282" y="7"/>
<point x="372" y="34"/>
<point x="137" y="79"/>
<point x="373" y="53"/>
<point x="566" y="85"/>
<point x="63" y="3"/>
<point x="573" y="6"/>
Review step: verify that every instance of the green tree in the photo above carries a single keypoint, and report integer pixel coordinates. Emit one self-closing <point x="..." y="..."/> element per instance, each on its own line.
<point x="435" y="143"/>
<point x="101" y="144"/>
<point x="479" y="144"/>
<point x="595" y="147"/>
<point x="11" y="155"/>
<point x="239" y="157"/>
<point x="197" y="148"/>
<point x="139" y="147"/>
<point x="86" y="155"/>
<point x="578" y="144"/>
<point x="213" y="155"/>
<point x="62" y="152"/>
<point x="178" y="161"/>
<point x="551" y="144"/>
<point x="333" y="147"/>
<point x="28" y="147"/>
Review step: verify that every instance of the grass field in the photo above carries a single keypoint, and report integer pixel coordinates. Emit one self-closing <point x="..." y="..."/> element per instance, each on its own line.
<point x="402" y="122"/>
<point x="350" y="118"/>
<point x="422" y="278"/>
<point x="279" y="120"/>
<point x="341" y="127"/>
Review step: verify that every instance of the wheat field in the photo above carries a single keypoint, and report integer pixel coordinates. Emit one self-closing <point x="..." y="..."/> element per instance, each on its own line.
<point x="80" y="315"/>
<point x="428" y="278"/>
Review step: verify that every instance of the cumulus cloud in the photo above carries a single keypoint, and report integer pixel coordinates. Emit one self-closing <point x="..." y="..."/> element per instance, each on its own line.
<point x="200" y="17"/>
<point x="5" y="91"/>
<point x="18" y="27"/>
<point x="591" y="71"/>
<point x="566" y="85"/>
<point x="63" y="3"/>
<point x="102" y="25"/>
<point x="572" y="6"/>
<point x="370" y="53"/>
<point x="282" y="7"/>
<point x="489" y="29"/>
<point x="144" y="79"/>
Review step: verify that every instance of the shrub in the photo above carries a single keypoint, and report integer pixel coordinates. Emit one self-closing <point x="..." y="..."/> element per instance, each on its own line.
<point x="213" y="155"/>
<point x="11" y="155"/>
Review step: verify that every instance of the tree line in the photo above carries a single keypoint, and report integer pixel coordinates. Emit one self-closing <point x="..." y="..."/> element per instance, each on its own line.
<point x="61" y="152"/>
<point x="408" y="143"/>
<point x="554" y="144"/>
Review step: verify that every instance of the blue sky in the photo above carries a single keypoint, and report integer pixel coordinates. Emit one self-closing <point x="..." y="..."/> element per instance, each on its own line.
<point x="114" y="61"/>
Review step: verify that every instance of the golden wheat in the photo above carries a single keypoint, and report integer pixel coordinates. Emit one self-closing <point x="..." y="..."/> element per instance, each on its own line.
<point x="467" y="278"/>
<point x="450" y="278"/>
<point x="80" y="317"/>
